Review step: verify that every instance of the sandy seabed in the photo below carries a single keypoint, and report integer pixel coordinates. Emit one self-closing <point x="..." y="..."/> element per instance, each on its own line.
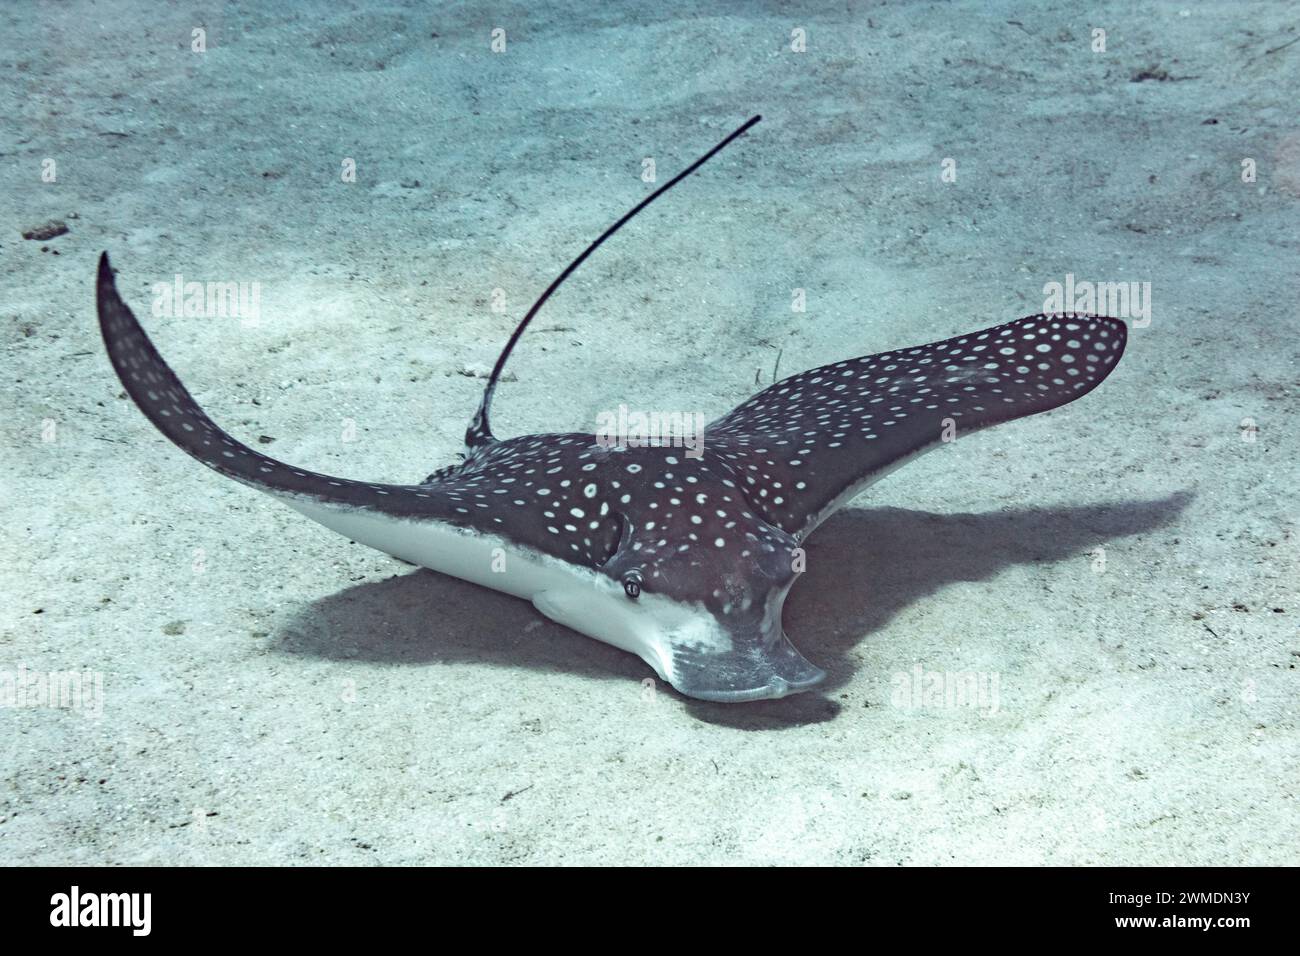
<point x="1116" y="579"/>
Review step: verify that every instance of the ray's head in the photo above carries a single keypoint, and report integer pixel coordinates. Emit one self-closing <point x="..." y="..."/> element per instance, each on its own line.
<point x="696" y="589"/>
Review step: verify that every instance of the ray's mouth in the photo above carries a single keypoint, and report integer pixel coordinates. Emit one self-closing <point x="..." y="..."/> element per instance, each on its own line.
<point x="744" y="673"/>
<point x="775" y="689"/>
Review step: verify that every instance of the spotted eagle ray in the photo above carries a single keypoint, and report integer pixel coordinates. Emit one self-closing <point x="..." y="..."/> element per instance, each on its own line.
<point x="684" y="561"/>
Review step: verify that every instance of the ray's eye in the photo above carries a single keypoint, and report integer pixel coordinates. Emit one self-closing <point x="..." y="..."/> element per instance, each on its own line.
<point x="632" y="584"/>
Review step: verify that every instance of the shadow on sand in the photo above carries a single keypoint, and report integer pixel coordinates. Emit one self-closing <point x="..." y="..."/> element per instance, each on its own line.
<point x="864" y="566"/>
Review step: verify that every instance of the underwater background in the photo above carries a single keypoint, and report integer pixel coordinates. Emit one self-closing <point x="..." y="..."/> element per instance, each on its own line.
<point x="1071" y="639"/>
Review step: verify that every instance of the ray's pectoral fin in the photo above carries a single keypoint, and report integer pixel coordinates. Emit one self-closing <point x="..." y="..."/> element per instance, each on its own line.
<point x="817" y="438"/>
<point x="155" y="388"/>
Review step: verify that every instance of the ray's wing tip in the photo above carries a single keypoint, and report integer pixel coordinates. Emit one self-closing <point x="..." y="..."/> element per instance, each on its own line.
<point x="105" y="272"/>
<point x="1108" y="320"/>
<point x="116" y="320"/>
<point x="108" y="302"/>
<point x="1117" y="327"/>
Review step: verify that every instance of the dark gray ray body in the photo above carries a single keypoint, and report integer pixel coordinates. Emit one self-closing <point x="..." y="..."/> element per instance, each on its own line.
<point x="716" y="533"/>
<point x="683" y="561"/>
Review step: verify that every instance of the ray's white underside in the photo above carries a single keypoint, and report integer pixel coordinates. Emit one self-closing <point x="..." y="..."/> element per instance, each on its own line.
<point x="577" y="597"/>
